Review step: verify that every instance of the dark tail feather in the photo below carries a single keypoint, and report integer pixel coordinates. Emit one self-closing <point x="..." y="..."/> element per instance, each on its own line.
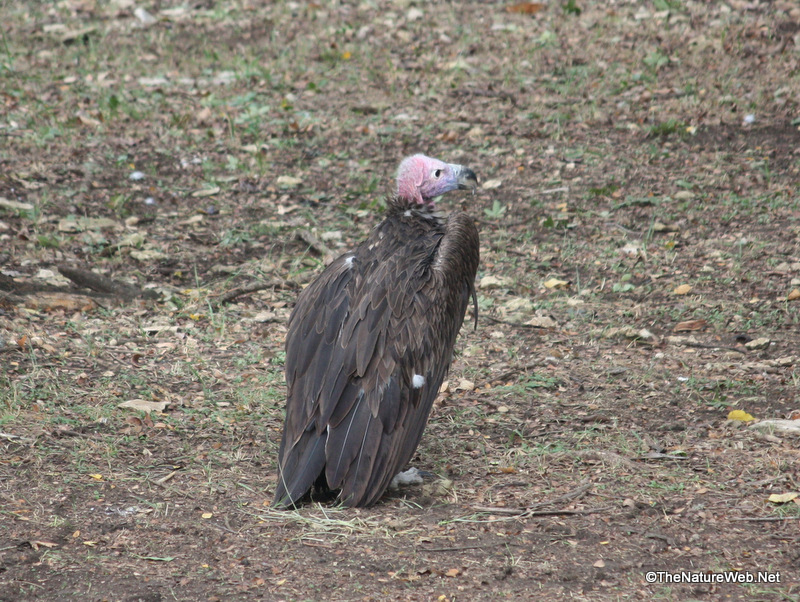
<point x="303" y="463"/>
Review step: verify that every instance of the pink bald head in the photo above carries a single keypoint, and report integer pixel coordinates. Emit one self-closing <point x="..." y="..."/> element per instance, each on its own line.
<point x="420" y="179"/>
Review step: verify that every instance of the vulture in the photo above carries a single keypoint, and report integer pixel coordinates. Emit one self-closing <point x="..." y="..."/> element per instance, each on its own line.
<point x="370" y="341"/>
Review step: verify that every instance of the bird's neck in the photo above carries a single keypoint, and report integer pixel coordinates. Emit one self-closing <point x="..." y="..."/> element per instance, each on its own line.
<point x="399" y="206"/>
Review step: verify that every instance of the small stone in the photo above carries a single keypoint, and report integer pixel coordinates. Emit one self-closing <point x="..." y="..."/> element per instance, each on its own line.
<point x="288" y="181"/>
<point x="414" y="14"/>
<point x="759" y="343"/>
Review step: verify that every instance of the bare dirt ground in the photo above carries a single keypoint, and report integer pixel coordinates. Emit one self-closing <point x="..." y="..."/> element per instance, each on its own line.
<point x="640" y="223"/>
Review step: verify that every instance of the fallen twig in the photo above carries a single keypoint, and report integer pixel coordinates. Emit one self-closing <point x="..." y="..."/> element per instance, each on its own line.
<point x="11" y="437"/>
<point x="165" y="478"/>
<point x="102" y="284"/>
<point x="461" y="548"/>
<point x="313" y="242"/>
<point x="764" y="519"/>
<point x="526" y="512"/>
<point x="659" y="456"/>
<point x="500" y="510"/>
<point x="567" y="512"/>
<point x="584" y="486"/>
<point x="513" y="371"/>
<point x="650" y="535"/>
<point x="62" y="433"/>
<point x="704" y="346"/>
<point x="570" y="495"/>
<point x="555" y="190"/>
<point x="253" y="287"/>
<point x="514" y="324"/>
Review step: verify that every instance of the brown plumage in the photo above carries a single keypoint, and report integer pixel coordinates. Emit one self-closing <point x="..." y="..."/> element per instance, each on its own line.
<point x="371" y="339"/>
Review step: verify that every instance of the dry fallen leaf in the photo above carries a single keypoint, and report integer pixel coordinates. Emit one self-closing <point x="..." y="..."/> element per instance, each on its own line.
<point x="14" y="205"/>
<point x="288" y="181"/>
<point x="203" y="192"/>
<point x="84" y="119"/>
<point x="788" y="427"/>
<point x="147" y="255"/>
<point x="555" y="283"/>
<point x="453" y="573"/>
<point x="740" y="415"/>
<point x="60" y="302"/>
<point x="794" y="295"/>
<point x="135" y="425"/>
<point x="145" y="18"/>
<point x="782" y="498"/>
<point x="683" y="289"/>
<point x="144" y="406"/>
<point x="133" y="239"/>
<point x="493" y="282"/>
<point x="525" y="8"/>
<point x="195" y="219"/>
<point x="516" y="305"/>
<point x="83" y="224"/>
<point x="689" y="325"/>
<point x="660" y="227"/>
<point x="542" y="322"/>
<point x="759" y="343"/>
<point x="465" y="385"/>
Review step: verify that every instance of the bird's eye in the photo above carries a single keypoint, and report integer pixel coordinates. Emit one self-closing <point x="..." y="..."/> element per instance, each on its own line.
<point x="437" y="173"/>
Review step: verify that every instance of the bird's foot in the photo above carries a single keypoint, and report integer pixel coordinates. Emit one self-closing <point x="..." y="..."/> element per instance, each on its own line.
<point x="412" y="476"/>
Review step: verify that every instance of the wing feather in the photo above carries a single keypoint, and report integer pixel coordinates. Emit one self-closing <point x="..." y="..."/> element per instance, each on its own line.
<point x="345" y="441"/>
<point x="358" y="335"/>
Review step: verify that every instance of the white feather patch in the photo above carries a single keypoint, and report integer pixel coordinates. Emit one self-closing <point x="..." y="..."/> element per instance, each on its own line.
<point x="407" y="213"/>
<point x="348" y="263"/>
<point x="417" y="381"/>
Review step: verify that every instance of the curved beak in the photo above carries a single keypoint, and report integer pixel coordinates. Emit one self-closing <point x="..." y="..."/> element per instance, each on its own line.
<point x="465" y="177"/>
